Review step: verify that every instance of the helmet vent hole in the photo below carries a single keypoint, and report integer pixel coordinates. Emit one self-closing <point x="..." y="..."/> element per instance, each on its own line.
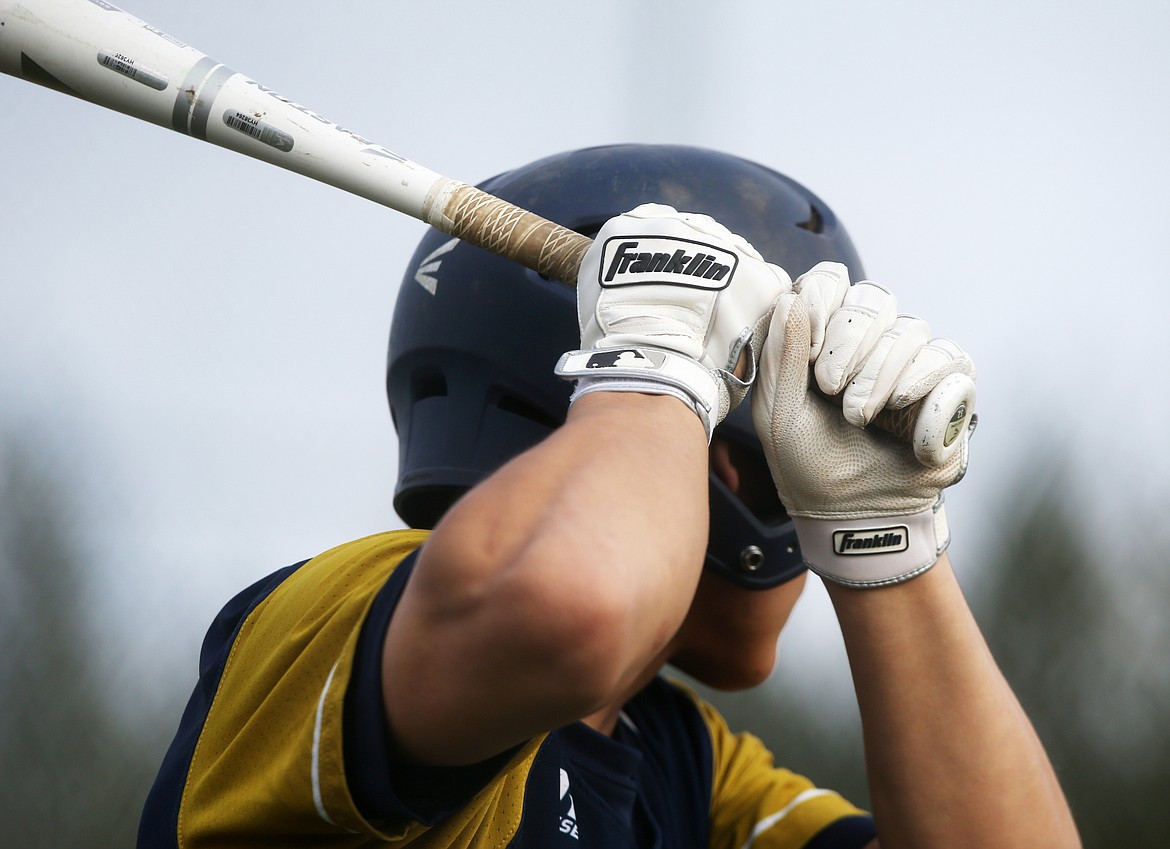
<point x="815" y="222"/>
<point x="428" y="384"/>
<point x="517" y="406"/>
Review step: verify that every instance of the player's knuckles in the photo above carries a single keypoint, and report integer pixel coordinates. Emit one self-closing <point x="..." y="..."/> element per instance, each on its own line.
<point x="822" y="289"/>
<point x="902" y="344"/>
<point x="948" y="349"/>
<point x="931" y="363"/>
<point x="707" y="226"/>
<point x="849" y="337"/>
<point x="754" y="295"/>
<point x="783" y="280"/>
<point x="875" y="301"/>
<point x="719" y="235"/>
<point x="642" y="212"/>
<point x="867" y="314"/>
<point x="747" y="301"/>
<point x="825" y="276"/>
<point x="870" y="295"/>
<point x="867" y="391"/>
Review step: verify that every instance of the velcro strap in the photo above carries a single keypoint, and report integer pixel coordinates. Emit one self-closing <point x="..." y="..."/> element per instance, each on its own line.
<point x="873" y="552"/>
<point x="635" y="369"/>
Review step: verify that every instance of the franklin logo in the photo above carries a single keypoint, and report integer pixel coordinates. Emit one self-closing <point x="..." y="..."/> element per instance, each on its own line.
<point x="629" y="261"/>
<point x="872" y="540"/>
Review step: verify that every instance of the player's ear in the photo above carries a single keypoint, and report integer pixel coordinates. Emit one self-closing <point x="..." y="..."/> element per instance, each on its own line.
<point x="721" y="464"/>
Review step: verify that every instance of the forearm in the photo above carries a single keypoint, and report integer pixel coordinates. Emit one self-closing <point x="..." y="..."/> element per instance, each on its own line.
<point x="618" y="493"/>
<point x="951" y="757"/>
<point x="552" y="585"/>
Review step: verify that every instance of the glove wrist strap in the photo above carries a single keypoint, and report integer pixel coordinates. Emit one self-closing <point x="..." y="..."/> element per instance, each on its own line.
<point x="650" y="370"/>
<point x="876" y="551"/>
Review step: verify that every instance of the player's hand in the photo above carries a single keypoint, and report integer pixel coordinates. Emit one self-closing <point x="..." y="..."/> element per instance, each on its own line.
<point x="867" y="512"/>
<point x="668" y="302"/>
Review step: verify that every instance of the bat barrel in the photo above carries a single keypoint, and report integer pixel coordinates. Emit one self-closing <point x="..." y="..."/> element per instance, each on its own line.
<point x="92" y="50"/>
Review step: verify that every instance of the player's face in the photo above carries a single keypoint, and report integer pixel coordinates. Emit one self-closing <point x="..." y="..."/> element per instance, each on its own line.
<point x="728" y="640"/>
<point x="729" y="637"/>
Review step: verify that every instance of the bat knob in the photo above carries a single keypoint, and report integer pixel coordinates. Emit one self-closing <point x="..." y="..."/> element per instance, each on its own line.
<point x="945" y="417"/>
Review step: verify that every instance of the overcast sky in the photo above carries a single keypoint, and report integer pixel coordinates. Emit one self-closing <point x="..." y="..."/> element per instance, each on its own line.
<point x="199" y="339"/>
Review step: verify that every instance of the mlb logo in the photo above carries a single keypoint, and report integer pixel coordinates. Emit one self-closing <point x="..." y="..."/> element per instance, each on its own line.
<point x="626" y="358"/>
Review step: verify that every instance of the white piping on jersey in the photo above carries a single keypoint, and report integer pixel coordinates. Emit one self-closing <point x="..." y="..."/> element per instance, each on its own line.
<point x="629" y="723"/>
<point x="316" y="759"/>
<point x="769" y="821"/>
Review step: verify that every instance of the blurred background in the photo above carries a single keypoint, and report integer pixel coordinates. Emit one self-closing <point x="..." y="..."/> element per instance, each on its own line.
<point x="192" y="343"/>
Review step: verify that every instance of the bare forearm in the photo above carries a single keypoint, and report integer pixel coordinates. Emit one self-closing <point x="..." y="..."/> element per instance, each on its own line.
<point x="952" y="758"/>
<point x="621" y="488"/>
<point x="553" y="584"/>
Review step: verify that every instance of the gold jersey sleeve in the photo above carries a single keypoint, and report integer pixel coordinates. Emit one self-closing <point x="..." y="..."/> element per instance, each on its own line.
<point x="757" y="805"/>
<point x="268" y="764"/>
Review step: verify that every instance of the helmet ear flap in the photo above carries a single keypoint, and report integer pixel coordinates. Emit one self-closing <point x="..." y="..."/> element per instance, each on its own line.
<point x="745" y="550"/>
<point x="752" y="541"/>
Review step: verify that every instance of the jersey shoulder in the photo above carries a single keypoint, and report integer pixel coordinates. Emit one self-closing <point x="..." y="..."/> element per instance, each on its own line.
<point x="260" y="744"/>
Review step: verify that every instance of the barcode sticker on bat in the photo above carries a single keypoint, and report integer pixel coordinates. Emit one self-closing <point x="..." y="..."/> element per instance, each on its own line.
<point x="127" y="67"/>
<point x="258" y="130"/>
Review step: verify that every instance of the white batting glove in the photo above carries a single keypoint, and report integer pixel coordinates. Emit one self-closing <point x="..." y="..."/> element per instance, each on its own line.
<point x="867" y="512"/>
<point x="667" y="302"/>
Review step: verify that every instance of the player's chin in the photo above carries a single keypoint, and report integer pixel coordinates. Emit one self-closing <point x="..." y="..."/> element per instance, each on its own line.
<point x="728" y="671"/>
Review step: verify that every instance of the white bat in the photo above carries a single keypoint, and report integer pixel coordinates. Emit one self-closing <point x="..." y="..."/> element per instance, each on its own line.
<point x="95" y="51"/>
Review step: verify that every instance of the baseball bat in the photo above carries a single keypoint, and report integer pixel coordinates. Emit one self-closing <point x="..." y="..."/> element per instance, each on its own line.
<point x="95" y="51"/>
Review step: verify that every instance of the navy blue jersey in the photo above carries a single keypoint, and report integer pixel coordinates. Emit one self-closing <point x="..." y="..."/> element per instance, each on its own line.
<point x="284" y="740"/>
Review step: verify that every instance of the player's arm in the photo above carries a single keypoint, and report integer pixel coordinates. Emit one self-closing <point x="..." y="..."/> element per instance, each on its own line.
<point x="540" y="594"/>
<point x="546" y="593"/>
<point x="951" y="757"/>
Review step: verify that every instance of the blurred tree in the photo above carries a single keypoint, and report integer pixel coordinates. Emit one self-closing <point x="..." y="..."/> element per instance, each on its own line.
<point x="1074" y="608"/>
<point x="1079" y="625"/>
<point x="75" y="774"/>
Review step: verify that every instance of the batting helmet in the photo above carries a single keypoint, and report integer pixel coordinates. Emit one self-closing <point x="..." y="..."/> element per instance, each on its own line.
<point x="474" y="336"/>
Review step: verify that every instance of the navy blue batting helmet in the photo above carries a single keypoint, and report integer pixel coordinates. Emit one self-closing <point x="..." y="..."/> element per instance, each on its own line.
<point x="474" y="337"/>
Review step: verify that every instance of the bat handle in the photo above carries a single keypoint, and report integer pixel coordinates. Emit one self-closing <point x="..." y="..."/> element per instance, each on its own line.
<point x="936" y="424"/>
<point x="505" y="229"/>
<point x="932" y="425"/>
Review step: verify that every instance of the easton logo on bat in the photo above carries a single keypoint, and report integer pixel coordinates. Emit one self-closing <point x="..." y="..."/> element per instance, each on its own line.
<point x="631" y="260"/>
<point x="375" y="149"/>
<point x="872" y="540"/>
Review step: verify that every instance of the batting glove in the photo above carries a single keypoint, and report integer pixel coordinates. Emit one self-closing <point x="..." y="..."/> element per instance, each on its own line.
<point x="667" y="302"/>
<point x="867" y="512"/>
